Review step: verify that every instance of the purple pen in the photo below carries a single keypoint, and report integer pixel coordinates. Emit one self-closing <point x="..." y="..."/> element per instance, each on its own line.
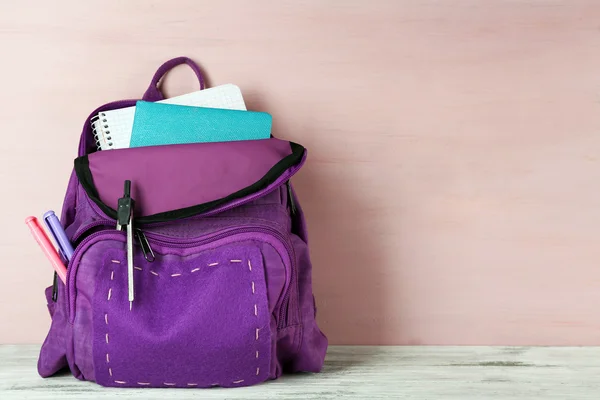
<point x="59" y="235"/>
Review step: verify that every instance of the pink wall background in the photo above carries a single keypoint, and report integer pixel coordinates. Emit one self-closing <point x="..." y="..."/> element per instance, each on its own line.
<point x="453" y="181"/>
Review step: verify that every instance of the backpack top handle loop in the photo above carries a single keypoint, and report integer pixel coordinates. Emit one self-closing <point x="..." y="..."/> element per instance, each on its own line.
<point x="153" y="92"/>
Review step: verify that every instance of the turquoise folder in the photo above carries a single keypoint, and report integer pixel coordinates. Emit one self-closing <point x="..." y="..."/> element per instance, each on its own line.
<point x="160" y="124"/>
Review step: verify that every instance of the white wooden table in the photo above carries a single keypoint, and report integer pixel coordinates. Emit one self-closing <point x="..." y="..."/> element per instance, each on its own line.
<point x="365" y="373"/>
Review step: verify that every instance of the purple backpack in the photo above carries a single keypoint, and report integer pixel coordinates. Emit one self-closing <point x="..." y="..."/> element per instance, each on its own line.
<point x="222" y="277"/>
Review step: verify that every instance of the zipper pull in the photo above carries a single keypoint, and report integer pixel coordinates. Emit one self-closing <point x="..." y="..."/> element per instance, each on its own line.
<point x="290" y="198"/>
<point x="55" y="288"/>
<point x="141" y="237"/>
<point x="125" y="220"/>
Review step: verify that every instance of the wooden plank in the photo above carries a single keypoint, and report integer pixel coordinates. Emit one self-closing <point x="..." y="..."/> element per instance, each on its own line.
<point x="361" y="372"/>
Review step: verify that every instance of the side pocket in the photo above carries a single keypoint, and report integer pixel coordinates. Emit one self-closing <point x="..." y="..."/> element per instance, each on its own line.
<point x="53" y="355"/>
<point x="312" y="347"/>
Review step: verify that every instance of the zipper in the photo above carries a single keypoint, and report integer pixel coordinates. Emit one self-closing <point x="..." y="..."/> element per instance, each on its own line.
<point x="145" y="245"/>
<point x="81" y="231"/>
<point x="235" y="203"/>
<point x="142" y="237"/>
<point x="252" y="197"/>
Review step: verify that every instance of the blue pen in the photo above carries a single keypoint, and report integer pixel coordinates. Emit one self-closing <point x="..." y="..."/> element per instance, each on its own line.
<point x="59" y="235"/>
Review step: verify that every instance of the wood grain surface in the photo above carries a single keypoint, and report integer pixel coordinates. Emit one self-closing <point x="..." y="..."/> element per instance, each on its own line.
<point x="452" y="185"/>
<point x="423" y="373"/>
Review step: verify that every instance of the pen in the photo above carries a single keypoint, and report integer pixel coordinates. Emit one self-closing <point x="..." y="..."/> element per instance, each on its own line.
<point x="47" y="247"/>
<point x="60" y="237"/>
<point x="65" y="249"/>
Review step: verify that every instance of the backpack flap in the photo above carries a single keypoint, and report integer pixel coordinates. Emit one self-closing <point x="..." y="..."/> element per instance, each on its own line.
<point x="179" y="181"/>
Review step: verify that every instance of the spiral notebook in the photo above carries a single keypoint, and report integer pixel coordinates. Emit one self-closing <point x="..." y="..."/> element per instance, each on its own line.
<point x="112" y="129"/>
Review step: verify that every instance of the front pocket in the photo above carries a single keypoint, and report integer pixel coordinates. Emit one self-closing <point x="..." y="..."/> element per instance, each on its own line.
<point x="205" y="311"/>
<point x="198" y="320"/>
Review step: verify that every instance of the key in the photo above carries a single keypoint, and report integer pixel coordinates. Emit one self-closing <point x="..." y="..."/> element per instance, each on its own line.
<point x="125" y="220"/>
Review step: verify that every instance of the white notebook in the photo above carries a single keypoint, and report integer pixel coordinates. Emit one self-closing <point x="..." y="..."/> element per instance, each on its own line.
<point x="112" y="129"/>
